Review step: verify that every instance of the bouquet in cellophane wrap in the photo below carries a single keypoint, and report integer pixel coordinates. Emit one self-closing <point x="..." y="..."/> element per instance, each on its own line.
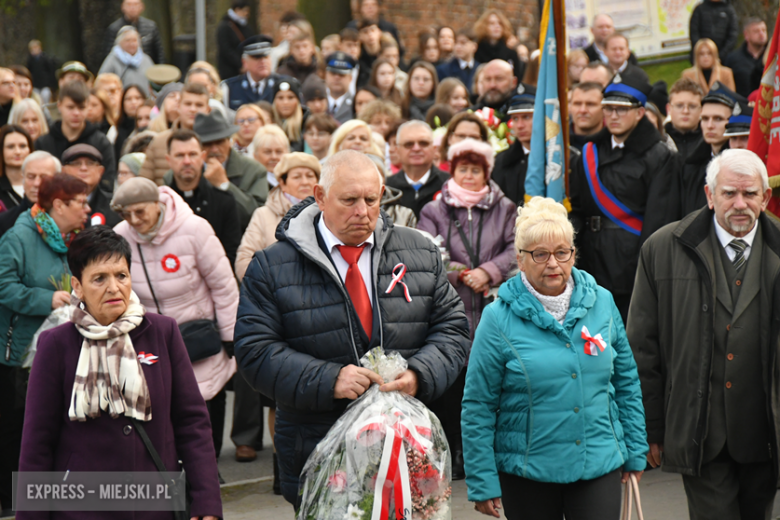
<point x="386" y="458"/>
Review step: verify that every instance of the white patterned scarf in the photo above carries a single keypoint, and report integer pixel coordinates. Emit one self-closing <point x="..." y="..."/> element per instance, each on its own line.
<point x="108" y="375"/>
<point x="558" y="306"/>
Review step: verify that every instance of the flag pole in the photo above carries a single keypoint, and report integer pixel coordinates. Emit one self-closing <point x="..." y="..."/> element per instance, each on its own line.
<point x="559" y="21"/>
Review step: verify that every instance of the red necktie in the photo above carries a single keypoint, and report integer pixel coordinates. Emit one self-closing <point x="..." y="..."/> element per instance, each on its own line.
<point x="357" y="288"/>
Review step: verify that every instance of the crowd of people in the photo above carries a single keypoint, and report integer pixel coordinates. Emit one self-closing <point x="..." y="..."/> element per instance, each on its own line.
<point x="307" y="200"/>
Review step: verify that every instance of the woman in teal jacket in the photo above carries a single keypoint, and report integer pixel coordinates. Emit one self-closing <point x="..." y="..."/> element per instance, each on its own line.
<point x="33" y="256"/>
<point x="552" y="410"/>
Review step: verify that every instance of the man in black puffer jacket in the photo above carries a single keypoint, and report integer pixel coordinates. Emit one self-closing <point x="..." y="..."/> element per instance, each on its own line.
<point x="716" y="20"/>
<point x="303" y="323"/>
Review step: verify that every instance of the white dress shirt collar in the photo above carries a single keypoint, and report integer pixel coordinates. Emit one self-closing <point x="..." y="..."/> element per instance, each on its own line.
<point x="255" y="85"/>
<point x="422" y="180"/>
<point x="338" y="101"/>
<point x="615" y="144"/>
<point x="463" y="64"/>
<point x="364" y="262"/>
<point x="725" y="238"/>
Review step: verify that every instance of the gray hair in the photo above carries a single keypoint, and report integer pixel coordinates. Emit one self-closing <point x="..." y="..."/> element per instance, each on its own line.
<point x="41" y="155"/>
<point x="124" y="31"/>
<point x="412" y="124"/>
<point x="741" y="162"/>
<point x="346" y="158"/>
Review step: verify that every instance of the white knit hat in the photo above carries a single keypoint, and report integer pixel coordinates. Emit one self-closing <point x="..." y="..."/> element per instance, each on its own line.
<point x="473" y="146"/>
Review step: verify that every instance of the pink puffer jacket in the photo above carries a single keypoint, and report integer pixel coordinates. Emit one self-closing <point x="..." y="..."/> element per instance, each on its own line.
<point x="192" y="280"/>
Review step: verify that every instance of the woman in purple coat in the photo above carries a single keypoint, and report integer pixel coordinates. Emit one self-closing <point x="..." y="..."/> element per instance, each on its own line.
<point x="477" y="223"/>
<point x="112" y="368"/>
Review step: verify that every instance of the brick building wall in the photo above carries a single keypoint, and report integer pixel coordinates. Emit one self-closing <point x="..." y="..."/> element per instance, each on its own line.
<point x="410" y="16"/>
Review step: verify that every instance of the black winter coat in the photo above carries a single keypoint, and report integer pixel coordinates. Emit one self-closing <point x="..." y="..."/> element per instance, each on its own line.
<point x="509" y="172"/>
<point x="643" y="176"/>
<point x="289" y="67"/>
<point x="686" y="142"/>
<point x="296" y="326"/>
<point x="56" y="143"/>
<point x="229" y="37"/>
<point x="100" y="210"/>
<point x="8" y="197"/>
<point x="694" y="172"/>
<point x="415" y="200"/>
<point x="150" y="38"/>
<point x="717" y="21"/>
<point x="8" y="217"/>
<point x="487" y="52"/>
<point x="743" y="65"/>
<point x="219" y="208"/>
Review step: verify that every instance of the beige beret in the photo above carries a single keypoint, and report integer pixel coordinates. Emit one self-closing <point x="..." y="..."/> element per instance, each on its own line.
<point x="297" y="160"/>
<point x="133" y="191"/>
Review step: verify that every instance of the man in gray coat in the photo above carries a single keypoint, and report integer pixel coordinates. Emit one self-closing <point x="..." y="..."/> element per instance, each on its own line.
<point x="704" y="330"/>
<point x="228" y="169"/>
<point x="316" y="301"/>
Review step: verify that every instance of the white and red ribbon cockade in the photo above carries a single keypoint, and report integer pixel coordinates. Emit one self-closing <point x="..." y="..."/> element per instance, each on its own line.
<point x="593" y="343"/>
<point x="398" y="273"/>
<point x="393" y="470"/>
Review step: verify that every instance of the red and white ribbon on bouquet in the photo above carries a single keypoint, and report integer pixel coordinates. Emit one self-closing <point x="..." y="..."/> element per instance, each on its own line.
<point x="593" y="343"/>
<point x="398" y="273"/>
<point x="393" y="470"/>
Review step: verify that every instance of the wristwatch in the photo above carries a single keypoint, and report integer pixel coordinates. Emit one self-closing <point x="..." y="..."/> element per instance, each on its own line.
<point x="224" y="186"/>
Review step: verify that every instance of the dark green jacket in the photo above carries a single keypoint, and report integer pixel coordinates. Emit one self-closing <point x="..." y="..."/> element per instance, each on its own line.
<point x="25" y="286"/>
<point x="671" y="326"/>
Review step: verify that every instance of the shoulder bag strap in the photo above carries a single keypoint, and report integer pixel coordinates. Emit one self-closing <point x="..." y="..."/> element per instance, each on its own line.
<point x="469" y="250"/>
<point x="148" y="280"/>
<point x="148" y="443"/>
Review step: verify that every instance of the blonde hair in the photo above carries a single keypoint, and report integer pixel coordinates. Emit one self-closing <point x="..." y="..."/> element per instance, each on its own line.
<point x="107" y="77"/>
<point x="706" y="42"/>
<point x="22" y="106"/>
<point x="292" y="126"/>
<point x="213" y="76"/>
<point x="341" y="133"/>
<point x="539" y="220"/>
<point x="270" y="133"/>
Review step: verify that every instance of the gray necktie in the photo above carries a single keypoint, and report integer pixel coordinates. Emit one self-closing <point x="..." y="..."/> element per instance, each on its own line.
<point x="739" y="246"/>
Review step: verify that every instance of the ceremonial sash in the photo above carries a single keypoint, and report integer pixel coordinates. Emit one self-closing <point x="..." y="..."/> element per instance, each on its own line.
<point x="606" y="201"/>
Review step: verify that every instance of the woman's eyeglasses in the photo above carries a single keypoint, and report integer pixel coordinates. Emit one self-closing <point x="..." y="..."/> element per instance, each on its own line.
<point x="540" y="256"/>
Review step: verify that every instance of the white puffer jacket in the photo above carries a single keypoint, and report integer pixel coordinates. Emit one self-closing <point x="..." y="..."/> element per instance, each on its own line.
<point x="192" y="280"/>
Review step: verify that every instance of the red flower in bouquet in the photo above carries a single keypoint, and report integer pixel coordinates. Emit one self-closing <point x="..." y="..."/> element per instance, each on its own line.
<point x="338" y="481"/>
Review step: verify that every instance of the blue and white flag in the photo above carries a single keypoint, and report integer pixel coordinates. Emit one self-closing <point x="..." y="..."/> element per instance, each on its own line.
<point x="545" y="176"/>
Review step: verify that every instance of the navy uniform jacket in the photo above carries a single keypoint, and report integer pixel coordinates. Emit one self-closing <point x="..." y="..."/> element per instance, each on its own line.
<point x="239" y="91"/>
<point x="644" y="177"/>
<point x="451" y="69"/>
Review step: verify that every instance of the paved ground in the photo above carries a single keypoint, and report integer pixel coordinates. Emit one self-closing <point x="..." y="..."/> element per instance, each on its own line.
<point x="663" y="497"/>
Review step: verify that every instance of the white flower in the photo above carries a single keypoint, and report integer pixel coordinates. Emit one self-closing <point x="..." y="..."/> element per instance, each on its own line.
<point x="354" y="513"/>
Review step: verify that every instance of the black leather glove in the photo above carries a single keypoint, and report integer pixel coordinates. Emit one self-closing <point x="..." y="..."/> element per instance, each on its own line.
<point x="228" y="346"/>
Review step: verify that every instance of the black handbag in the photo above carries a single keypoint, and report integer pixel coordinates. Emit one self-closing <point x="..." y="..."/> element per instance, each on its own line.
<point x="201" y="337"/>
<point x="180" y="491"/>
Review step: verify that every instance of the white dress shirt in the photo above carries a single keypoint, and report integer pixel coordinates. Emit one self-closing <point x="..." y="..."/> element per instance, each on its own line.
<point x="615" y="144"/>
<point x="725" y="238"/>
<point x="364" y="262"/>
<point x="335" y="104"/>
<point x="422" y="180"/>
<point x="464" y="64"/>
<point x="259" y="86"/>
